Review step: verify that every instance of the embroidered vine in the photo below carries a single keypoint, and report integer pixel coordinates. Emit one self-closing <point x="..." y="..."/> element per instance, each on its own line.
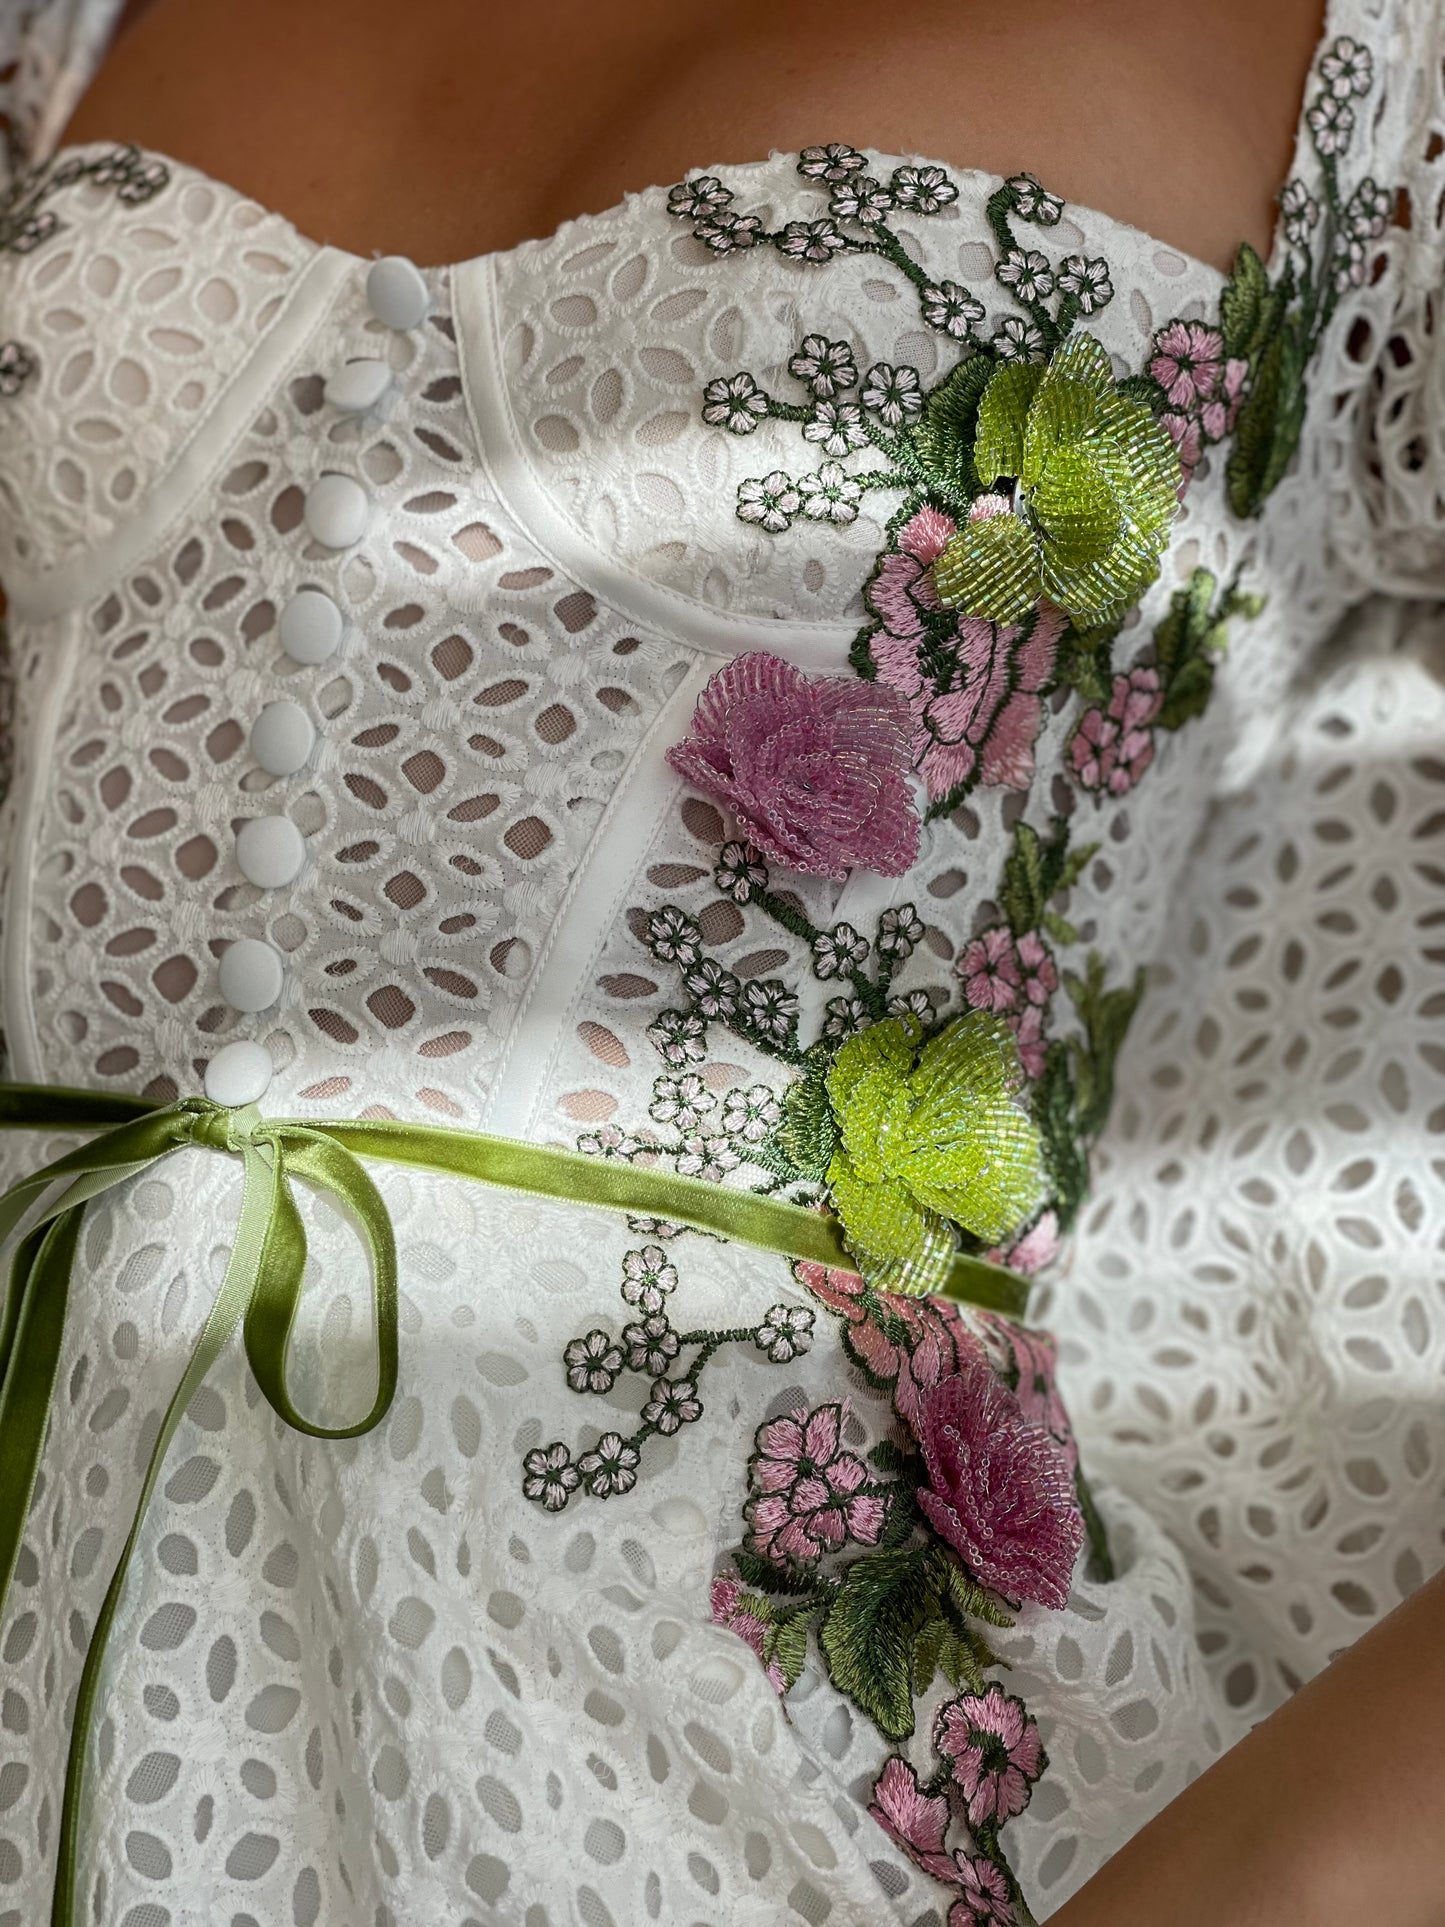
<point x="25" y="220"/>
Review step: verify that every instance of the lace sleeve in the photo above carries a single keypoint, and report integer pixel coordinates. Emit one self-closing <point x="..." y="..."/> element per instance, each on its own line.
<point x="1390" y="368"/>
<point x="49" y="50"/>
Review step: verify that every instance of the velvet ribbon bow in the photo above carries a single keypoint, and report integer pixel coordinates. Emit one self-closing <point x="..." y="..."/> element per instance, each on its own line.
<point x="261" y="1290"/>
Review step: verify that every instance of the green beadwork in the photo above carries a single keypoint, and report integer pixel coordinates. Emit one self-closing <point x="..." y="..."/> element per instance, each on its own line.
<point x="930" y="1136"/>
<point x="1097" y="490"/>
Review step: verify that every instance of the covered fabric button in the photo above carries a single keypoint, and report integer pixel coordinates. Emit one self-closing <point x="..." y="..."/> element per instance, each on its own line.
<point x="311" y="626"/>
<point x="238" y="1074"/>
<point x="282" y="738"/>
<point x="396" y="292"/>
<point x="251" y="974"/>
<point x="358" y="386"/>
<point x="337" y="511"/>
<point x="270" y="851"/>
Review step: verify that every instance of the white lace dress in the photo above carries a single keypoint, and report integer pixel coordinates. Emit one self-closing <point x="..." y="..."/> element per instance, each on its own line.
<point x="483" y="1663"/>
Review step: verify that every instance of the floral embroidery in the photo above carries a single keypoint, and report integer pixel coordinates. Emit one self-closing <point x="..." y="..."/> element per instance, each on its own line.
<point x="17" y="365"/>
<point x="25" y="221"/>
<point x="814" y="768"/>
<point x="672" y="1361"/>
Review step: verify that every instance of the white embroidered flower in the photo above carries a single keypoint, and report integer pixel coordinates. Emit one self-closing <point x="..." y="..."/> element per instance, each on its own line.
<point x="729" y="233"/>
<point x="1034" y="203"/>
<point x="734" y="402"/>
<point x="1018" y="340"/>
<point x="832" y="495"/>
<point x="922" y="189"/>
<point x="951" y="309"/>
<point x="750" y="1114"/>
<point x="786" y="1332"/>
<point x="610" y="1467"/>
<point x="551" y="1478"/>
<point x="769" y="500"/>
<point x="684" y="1101"/>
<point x="1368" y="212"/>
<point x="694" y="200"/>
<point x="843" y="1016"/>
<point x="894" y="394"/>
<point x="838" y="950"/>
<point x="1087" y="281"/>
<point x="674" y="1403"/>
<point x="835" y="162"/>
<point x="609" y="1142"/>
<point x="771" y="1009"/>
<point x="593" y="1362"/>
<point x="651" y="1344"/>
<point x="812" y="240"/>
<point x="714" y="990"/>
<point x="708" y="1158"/>
<point x="1300" y="212"/>
<point x="647" y="1279"/>
<point x="1348" y="68"/>
<point x="900" y="931"/>
<point x="1348" y="263"/>
<point x="1027" y="272"/>
<point x="917" y="1003"/>
<point x="17" y="365"/>
<point x="826" y="366"/>
<point x="673" y="937"/>
<point x="1331" y="121"/>
<point x="740" y="870"/>
<point x="837" y="427"/>
<point x="679" y="1037"/>
<point x="860" y="199"/>
<point x="653" y="1228"/>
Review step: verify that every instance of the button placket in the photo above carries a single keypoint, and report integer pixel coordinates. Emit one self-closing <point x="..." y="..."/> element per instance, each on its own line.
<point x="271" y="850"/>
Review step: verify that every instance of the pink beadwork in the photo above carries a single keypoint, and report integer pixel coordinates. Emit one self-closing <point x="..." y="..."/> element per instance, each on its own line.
<point x="1000" y="1488"/>
<point x="979" y="720"/>
<point x="815" y="769"/>
<point x="995" y="1753"/>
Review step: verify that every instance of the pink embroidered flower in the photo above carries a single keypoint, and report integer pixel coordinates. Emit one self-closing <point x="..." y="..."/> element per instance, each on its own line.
<point x="1000" y="1489"/>
<point x="991" y="970"/>
<point x="1220" y="414"/>
<point x="972" y="687"/>
<point x="725" y="1596"/>
<point x="1015" y="977"/>
<point x="1110" y="750"/>
<point x="901" y="1345"/>
<point x="995" y="1751"/>
<point x="1035" y="1249"/>
<point x="984" y="1900"/>
<point x="1186" y="433"/>
<point x="916" y="1820"/>
<point x="809" y="1495"/>
<point x="1040" y="976"/>
<point x="1027" y="1026"/>
<point x="814" y="768"/>
<point x="1186" y="362"/>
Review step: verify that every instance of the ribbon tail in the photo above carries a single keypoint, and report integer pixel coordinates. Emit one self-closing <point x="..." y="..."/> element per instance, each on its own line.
<point x="221" y="1322"/>
<point x="39" y="1294"/>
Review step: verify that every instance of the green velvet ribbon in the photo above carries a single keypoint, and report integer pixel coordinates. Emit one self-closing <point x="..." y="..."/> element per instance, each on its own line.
<point x="261" y="1290"/>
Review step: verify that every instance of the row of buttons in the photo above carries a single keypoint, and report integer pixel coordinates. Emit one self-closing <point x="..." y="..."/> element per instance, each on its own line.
<point x="270" y="850"/>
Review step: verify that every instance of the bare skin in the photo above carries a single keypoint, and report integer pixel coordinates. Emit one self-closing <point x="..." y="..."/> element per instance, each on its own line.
<point x="445" y="128"/>
<point x="449" y="129"/>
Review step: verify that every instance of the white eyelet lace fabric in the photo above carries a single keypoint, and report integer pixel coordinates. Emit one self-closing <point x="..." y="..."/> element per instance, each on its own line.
<point x="372" y="1683"/>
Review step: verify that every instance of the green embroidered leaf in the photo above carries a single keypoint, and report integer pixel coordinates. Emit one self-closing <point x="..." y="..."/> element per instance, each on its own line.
<point x="1106" y="1015"/>
<point x="1101" y="1560"/>
<point x="1187" y="642"/>
<point x="1059" y="928"/>
<point x="889" y="1457"/>
<point x="1073" y="865"/>
<point x="786" y="1646"/>
<point x="807" y="1135"/>
<point x="1270" y="422"/>
<point x="757" y="1605"/>
<point x="943" y="439"/>
<point x="1066" y="1158"/>
<point x="764" y="1576"/>
<point x="1189" y="693"/>
<point x="1144" y="388"/>
<point x="1243" y="304"/>
<point x="1085" y="661"/>
<point x="928" y="1650"/>
<point x="1036" y="870"/>
<point x="868" y="1636"/>
<point x="965" y="1595"/>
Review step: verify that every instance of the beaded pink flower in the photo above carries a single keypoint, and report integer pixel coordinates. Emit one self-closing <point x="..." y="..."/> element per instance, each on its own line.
<point x="814" y="768"/>
<point x="1000" y="1489"/>
<point x="994" y="1751"/>
<point x="809" y="1495"/>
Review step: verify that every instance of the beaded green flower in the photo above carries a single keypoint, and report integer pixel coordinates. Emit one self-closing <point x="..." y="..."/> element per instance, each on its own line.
<point x="1096" y="489"/>
<point x="929" y="1137"/>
